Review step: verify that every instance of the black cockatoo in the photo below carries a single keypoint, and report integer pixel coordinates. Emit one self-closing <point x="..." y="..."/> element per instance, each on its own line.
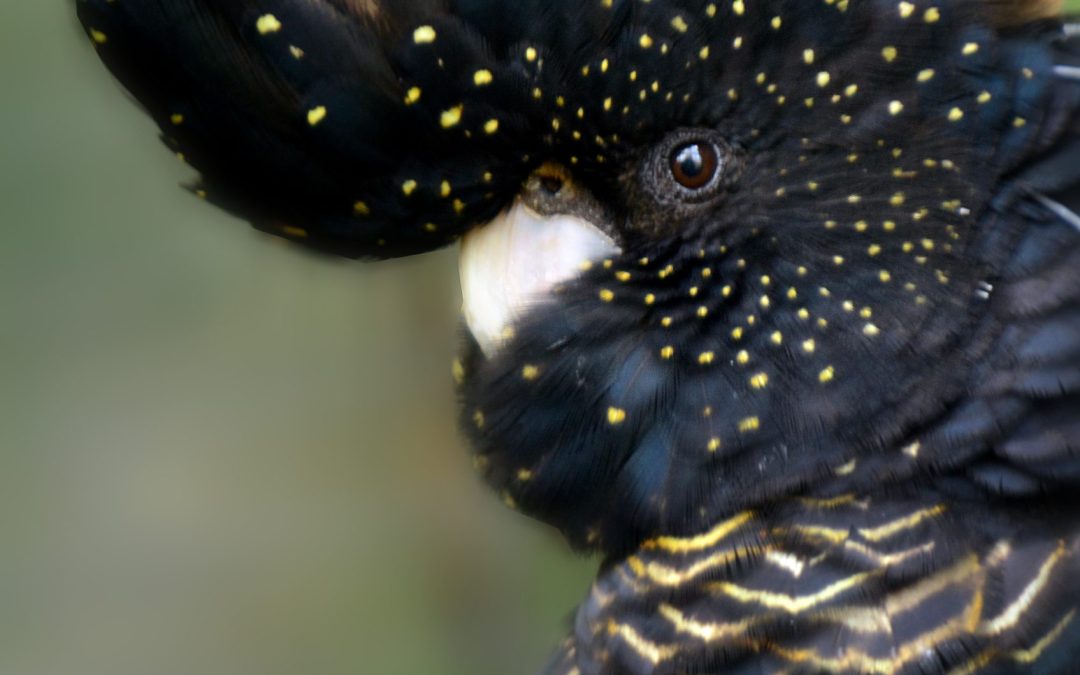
<point x="775" y="304"/>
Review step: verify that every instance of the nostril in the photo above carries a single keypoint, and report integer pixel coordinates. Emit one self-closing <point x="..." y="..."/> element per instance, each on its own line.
<point x="551" y="184"/>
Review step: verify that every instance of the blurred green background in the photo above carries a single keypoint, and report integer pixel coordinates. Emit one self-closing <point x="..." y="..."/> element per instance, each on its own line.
<point x="219" y="455"/>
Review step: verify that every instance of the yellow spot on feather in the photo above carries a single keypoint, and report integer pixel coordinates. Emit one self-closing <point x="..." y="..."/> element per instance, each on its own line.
<point x="316" y="115"/>
<point x="267" y="23"/>
<point x="424" y="35"/>
<point x="450" y="118"/>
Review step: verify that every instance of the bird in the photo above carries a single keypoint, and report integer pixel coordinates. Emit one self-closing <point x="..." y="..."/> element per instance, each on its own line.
<point x="772" y="305"/>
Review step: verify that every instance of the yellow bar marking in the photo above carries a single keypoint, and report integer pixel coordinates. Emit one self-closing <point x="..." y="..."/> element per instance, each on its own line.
<point x="1012" y="614"/>
<point x="650" y="651"/>
<point x="666" y="575"/>
<point x="1032" y="654"/>
<point x="889" y="559"/>
<point x="707" y="632"/>
<point x="914" y="596"/>
<point x="701" y="541"/>
<point x="831" y="503"/>
<point x="895" y="527"/>
<point x="792" y="604"/>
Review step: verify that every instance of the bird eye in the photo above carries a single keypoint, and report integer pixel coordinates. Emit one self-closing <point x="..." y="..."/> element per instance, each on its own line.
<point x="688" y="169"/>
<point x="694" y="164"/>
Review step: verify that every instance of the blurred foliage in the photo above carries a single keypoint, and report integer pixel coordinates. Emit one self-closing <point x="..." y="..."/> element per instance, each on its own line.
<point x="220" y="455"/>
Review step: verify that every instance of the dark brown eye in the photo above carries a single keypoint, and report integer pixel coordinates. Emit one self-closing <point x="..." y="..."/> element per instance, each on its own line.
<point x="694" y="164"/>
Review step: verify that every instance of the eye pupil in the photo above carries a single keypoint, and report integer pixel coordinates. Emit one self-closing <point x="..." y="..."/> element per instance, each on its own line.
<point x="690" y="161"/>
<point x="694" y="164"/>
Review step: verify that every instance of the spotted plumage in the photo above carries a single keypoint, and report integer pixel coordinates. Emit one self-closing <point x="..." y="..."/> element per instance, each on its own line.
<point x="816" y="404"/>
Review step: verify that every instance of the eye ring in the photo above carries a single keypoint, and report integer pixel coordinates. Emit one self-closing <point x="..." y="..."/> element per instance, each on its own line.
<point x="694" y="164"/>
<point x="688" y="169"/>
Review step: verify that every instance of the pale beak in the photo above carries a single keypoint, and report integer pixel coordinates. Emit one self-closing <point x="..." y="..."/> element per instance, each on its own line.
<point x="513" y="263"/>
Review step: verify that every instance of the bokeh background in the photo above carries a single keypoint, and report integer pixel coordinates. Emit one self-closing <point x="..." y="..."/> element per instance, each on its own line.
<point x="218" y="454"/>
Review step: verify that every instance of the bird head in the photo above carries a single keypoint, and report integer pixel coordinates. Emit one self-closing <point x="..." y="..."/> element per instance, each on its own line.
<point x="712" y="253"/>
